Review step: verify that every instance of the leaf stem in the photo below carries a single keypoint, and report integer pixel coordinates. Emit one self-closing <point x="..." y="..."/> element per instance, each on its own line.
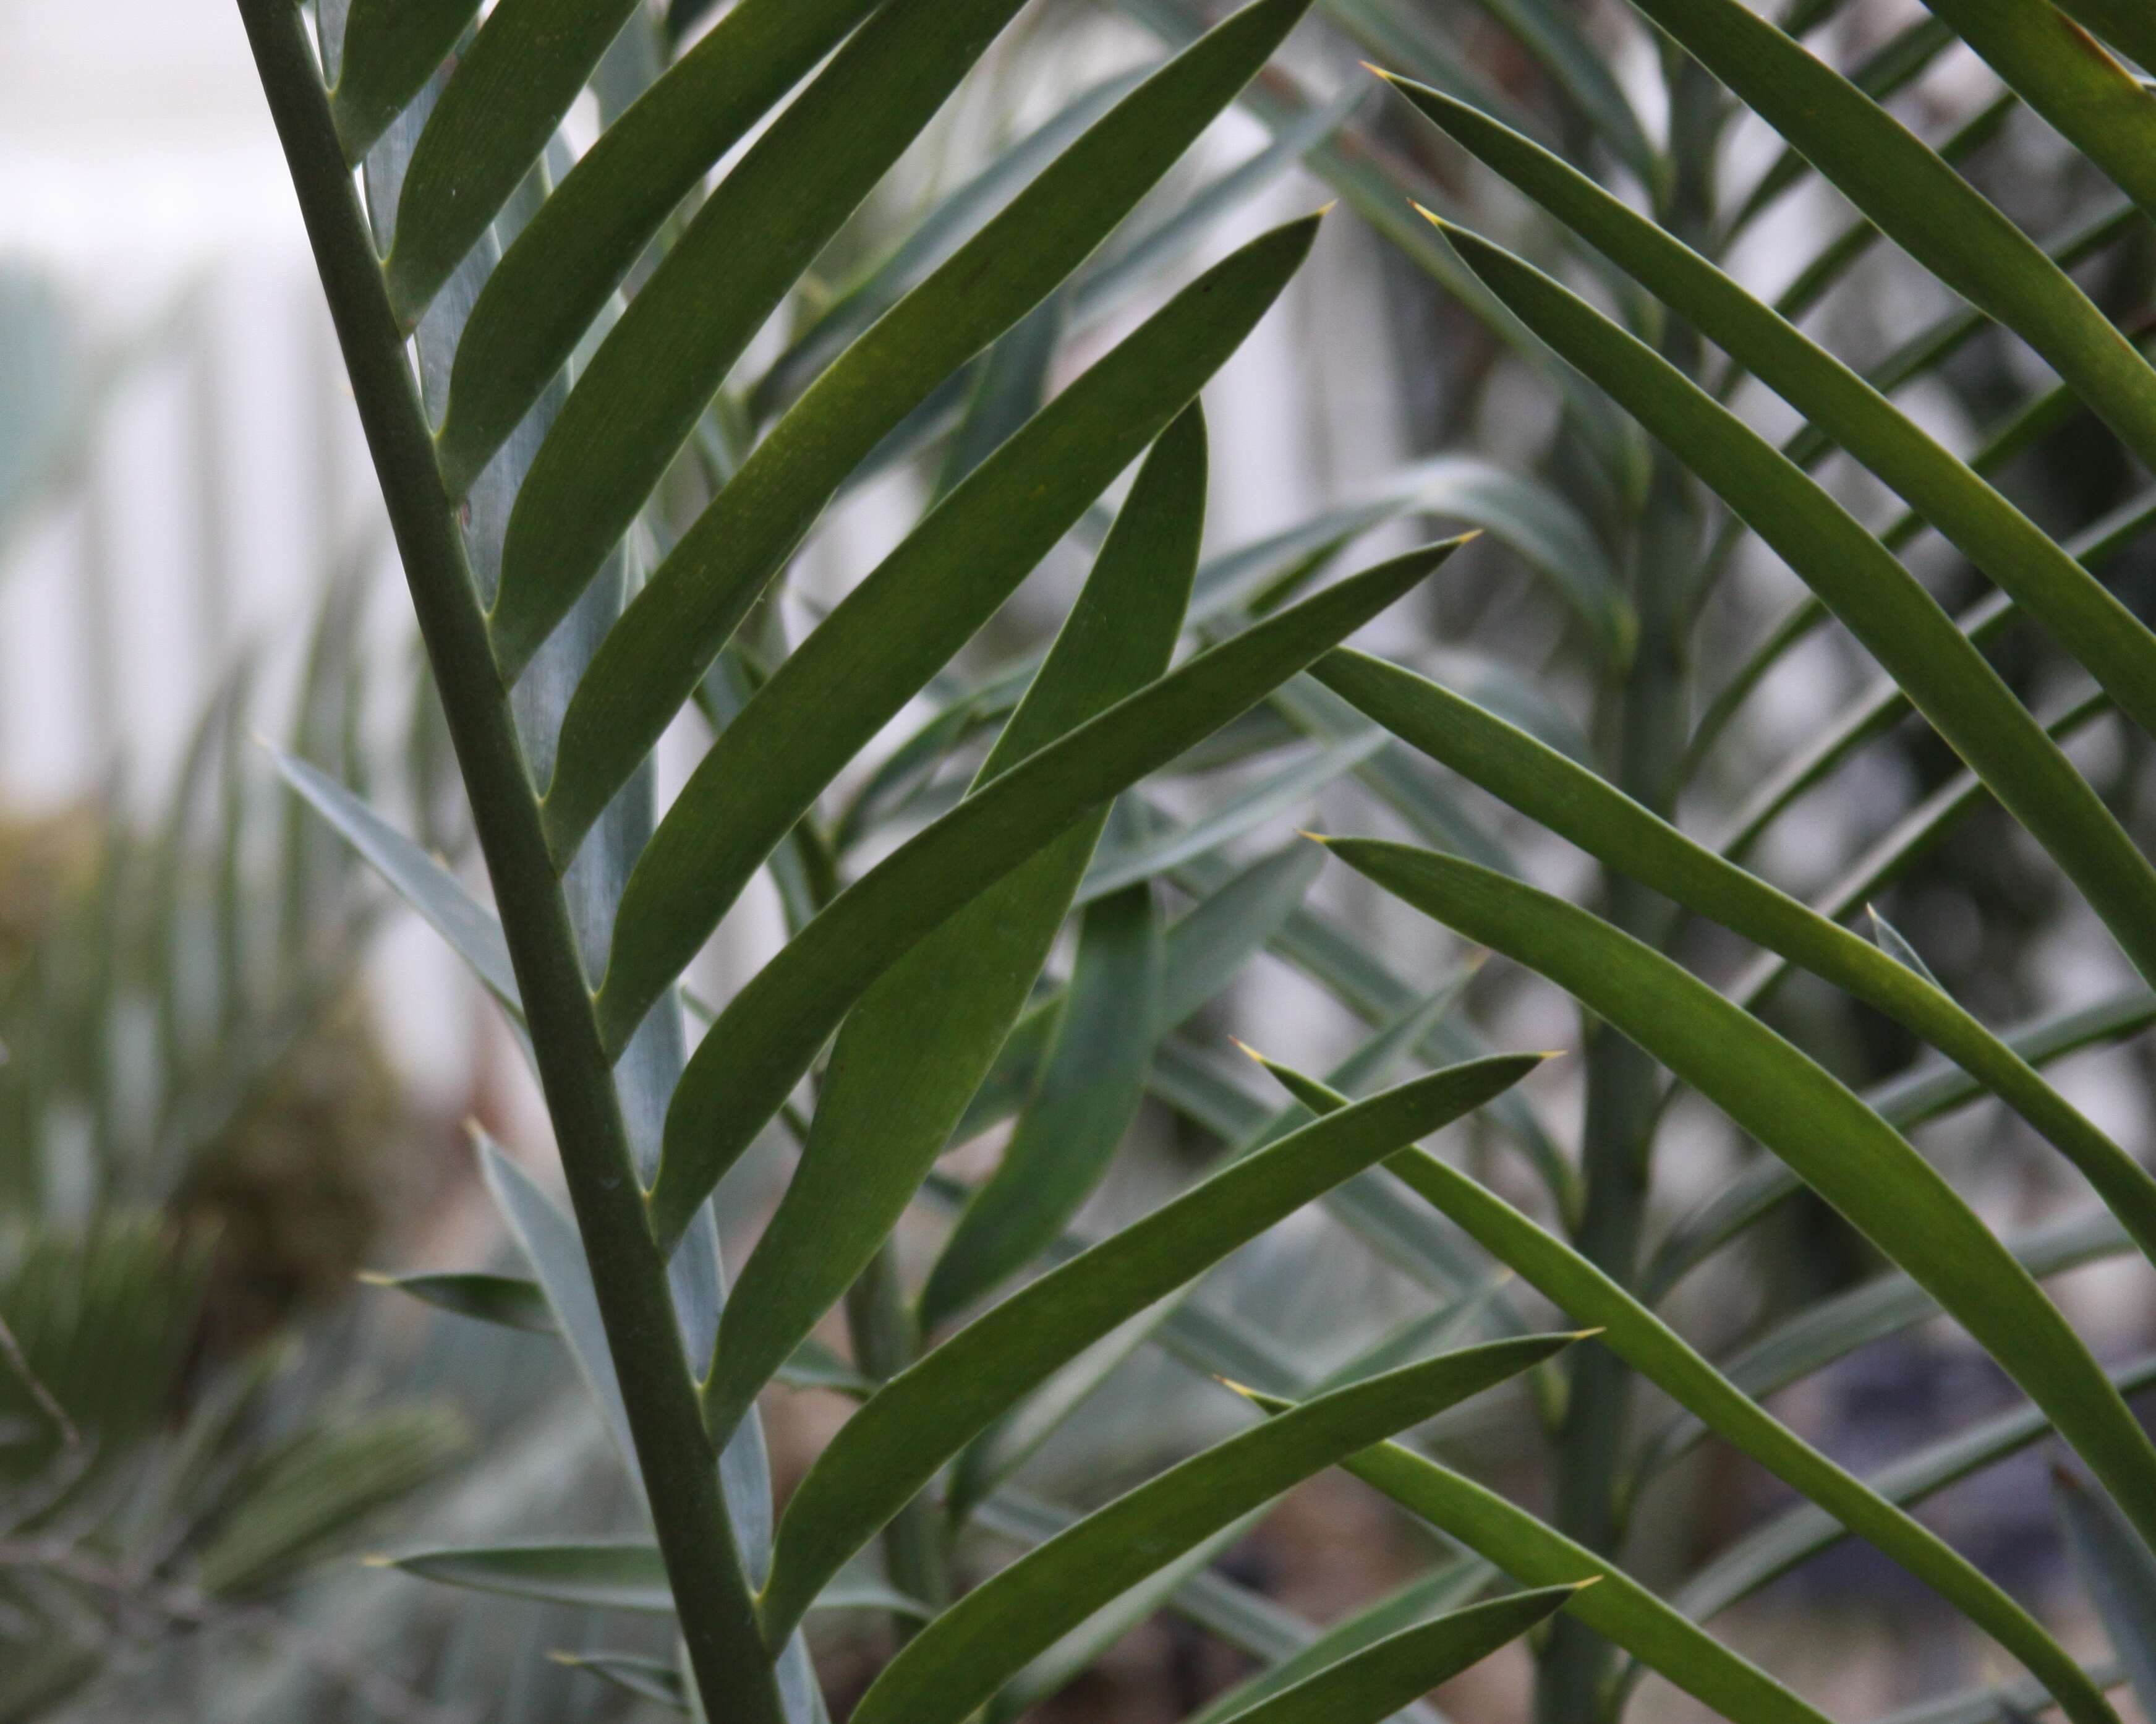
<point x="735" y="1675"/>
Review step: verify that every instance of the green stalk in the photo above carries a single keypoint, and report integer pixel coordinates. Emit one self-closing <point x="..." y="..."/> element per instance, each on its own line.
<point x="1641" y="724"/>
<point x="916" y="1543"/>
<point x="735" y="1675"/>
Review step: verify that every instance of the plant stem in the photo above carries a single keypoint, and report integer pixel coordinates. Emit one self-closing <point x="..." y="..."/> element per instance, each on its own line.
<point x="1642" y="723"/>
<point x="735" y="1676"/>
<point x="885" y="1340"/>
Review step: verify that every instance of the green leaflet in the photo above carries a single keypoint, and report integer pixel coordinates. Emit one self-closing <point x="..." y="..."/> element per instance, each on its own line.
<point x="928" y="243"/>
<point x="895" y="1444"/>
<point x="1583" y="1291"/>
<point x="769" y="1034"/>
<point x="1204" y="950"/>
<point x="507" y="94"/>
<point x="1619" y="1610"/>
<point x="1843" y="1150"/>
<point x="674" y="627"/>
<point x="1089" y="1092"/>
<point x="1897" y="62"/>
<point x="605" y="1577"/>
<point x="506" y="1299"/>
<point x="1921" y="204"/>
<point x="390" y="48"/>
<point x="1899" y="623"/>
<point x="1370" y="1685"/>
<point x="1582" y="807"/>
<point x="958" y="1660"/>
<point x="2118" y="1573"/>
<point x="1443" y="1587"/>
<point x="576" y="249"/>
<point x="472" y="932"/>
<point x="2123" y="22"/>
<point x="658" y="367"/>
<point x="647" y="1678"/>
<point x="893" y="631"/>
<point x="2088" y="620"/>
<point x="915" y="1048"/>
<point x="1801" y="1533"/>
<point x="2094" y="103"/>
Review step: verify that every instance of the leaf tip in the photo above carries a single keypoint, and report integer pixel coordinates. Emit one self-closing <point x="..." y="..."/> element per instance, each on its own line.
<point x="1581" y="1586"/>
<point x="1378" y="71"/>
<point x="375" y="1277"/>
<point x="1247" y="1048"/>
<point x="1588" y="1334"/>
<point x="1316" y="838"/>
<point x="377" y="1560"/>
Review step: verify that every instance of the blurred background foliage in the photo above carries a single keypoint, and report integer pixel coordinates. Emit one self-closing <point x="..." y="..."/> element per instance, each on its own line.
<point x="208" y="1126"/>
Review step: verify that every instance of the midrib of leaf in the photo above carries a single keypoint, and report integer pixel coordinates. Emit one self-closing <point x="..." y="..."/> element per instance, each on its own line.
<point x="630" y="1273"/>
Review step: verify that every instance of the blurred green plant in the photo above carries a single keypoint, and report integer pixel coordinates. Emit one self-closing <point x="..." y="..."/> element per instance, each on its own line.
<point x="610" y="398"/>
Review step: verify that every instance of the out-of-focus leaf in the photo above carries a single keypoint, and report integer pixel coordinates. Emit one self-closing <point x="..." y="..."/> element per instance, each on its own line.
<point x="506" y="1299"/>
<point x="2119" y="1573"/>
<point x="471" y="930"/>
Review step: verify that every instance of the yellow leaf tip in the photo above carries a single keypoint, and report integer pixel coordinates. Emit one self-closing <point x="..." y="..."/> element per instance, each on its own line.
<point x="1249" y="1049"/>
<point x="1378" y="71"/>
<point x="1589" y="1334"/>
<point x="570" y="1658"/>
<point x="1581" y="1586"/>
<point x="377" y="1561"/>
<point x="1316" y="838"/>
<point x="375" y="1277"/>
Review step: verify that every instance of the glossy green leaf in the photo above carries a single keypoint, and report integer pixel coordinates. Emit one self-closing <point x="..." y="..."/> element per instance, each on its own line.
<point x="1893" y="65"/>
<point x="959" y="1660"/>
<point x="1448" y="1585"/>
<point x="2117" y="1571"/>
<point x="1844" y="1151"/>
<point x="651" y="378"/>
<point x="1586" y="1294"/>
<point x="2117" y="648"/>
<point x="1832" y="1328"/>
<point x="895" y="1444"/>
<point x="471" y="930"/>
<point x="390" y="48"/>
<point x="1898" y="622"/>
<point x="707" y="583"/>
<point x="1580" y="807"/>
<point x="1921" y="204"/>
<point x="1369" y="1686"/>
<point x="1798" y="1534"/>
<point x="899" y="624"/>
<point x="508" y="92"/>
<point x="1619" y="1608"/>
<point x="914" y="1050"/>
<point x="2120" y="23"/>
<point x="1090" y="1088"/>
<point x="581" y="242"/>
<point x="926" y="243"/>
<point x="2094" y="103"/>
<point x="766" y="1038"/>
